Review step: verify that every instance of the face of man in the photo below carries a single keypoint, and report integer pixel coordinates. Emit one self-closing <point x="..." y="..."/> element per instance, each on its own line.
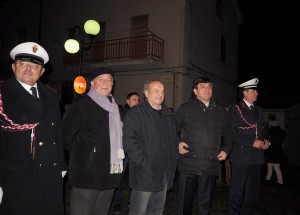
<point x="103" y="84"/>
<point x="250" y="95"/>
<point x="133" y="100"/>
<point x="27" y="72"/>
<point x="155" y="94"/>
<point x="203" y="92"/>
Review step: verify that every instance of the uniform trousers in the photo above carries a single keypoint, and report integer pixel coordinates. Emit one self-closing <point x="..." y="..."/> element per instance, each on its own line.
<point x="189" y="185"/>
<point x="245" y="185"/>
<point x="90" y="202"/>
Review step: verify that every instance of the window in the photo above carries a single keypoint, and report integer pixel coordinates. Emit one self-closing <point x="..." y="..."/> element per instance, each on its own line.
<point x="139" y="31"/>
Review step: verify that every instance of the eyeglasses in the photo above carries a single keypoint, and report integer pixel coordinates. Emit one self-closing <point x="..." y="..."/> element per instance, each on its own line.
<point x="25" y="64"/>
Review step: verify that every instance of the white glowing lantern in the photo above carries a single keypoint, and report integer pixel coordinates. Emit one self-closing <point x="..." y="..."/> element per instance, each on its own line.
<point x="72" y="46"/>
<point x="91" y="27"/>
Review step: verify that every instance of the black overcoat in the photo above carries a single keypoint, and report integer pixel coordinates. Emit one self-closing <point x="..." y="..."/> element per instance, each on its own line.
<point x="31" y="182"/>
<point x="151" y="144"/>
<point x="87" y="145"/>
<point x="275" y="153"/>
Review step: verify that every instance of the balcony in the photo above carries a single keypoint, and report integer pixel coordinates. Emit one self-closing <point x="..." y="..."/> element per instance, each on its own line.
<point x="144" y="46"/>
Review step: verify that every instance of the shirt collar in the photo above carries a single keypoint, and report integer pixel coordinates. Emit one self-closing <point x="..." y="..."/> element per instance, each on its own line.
<point x="27" y="87"/>
<point x="248" y="104"/>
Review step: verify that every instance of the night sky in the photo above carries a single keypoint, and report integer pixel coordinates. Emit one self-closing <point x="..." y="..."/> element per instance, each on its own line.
<point x="268" y="46"/>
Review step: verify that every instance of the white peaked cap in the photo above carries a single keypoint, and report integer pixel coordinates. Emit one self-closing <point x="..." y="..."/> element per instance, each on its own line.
<point x="30" y="50"/>
<point x="249" y="84"/>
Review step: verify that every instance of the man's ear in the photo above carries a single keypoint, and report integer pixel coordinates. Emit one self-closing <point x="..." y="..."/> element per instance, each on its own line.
<point x="13" y="67"/>
<point x="195" y="91"/>
<point x="43" y="70"/>
<point x="146" y="93"/>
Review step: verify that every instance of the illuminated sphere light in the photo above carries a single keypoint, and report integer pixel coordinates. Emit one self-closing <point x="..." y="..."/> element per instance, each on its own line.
<point x="79" y="84"/>
<point x="91" y="27"/>
<point x="72" y="46"/>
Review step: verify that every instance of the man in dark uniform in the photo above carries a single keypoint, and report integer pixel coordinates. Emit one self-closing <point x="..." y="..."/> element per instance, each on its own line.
<point x="248" y="151"/>
<point x="32" y="162"/>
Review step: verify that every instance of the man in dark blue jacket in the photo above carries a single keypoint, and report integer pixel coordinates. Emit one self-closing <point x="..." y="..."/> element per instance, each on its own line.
<point x="248" y="151"/>
<point x="149" y="139"/>
<point x="206" y="138"/>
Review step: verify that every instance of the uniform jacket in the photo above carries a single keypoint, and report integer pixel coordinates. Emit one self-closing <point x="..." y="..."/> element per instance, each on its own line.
<point x="87" y="145"/>
<point x="246" y="123"/>
<point x="150" y="142"/>
<point x="207" y="131"/>
<point x="31" y="185"/>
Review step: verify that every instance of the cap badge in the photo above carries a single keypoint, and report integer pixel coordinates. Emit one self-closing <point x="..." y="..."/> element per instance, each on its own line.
<point x="34" y="48"/>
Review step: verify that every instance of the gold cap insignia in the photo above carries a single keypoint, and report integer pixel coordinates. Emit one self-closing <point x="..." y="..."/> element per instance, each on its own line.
<point x="34" y="48"/>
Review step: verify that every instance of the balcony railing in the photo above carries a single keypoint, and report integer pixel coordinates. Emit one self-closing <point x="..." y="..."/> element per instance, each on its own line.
<point x="142" y="47"/>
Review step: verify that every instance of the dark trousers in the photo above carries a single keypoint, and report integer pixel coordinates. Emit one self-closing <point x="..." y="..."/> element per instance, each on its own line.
<point x="117" y="200"/>
<point x="189" y="185"/>
<point x="245" y="185"/>
<point x="148" y="203"/>
<point x="90" y="202"/>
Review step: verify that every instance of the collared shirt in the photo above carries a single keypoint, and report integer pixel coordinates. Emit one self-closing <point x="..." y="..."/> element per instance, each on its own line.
<point x="248" y="104"/>
<point x="27" y="88"/>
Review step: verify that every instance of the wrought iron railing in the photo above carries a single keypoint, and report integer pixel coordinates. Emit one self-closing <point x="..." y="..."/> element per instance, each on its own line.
<point x="142" y="47"/>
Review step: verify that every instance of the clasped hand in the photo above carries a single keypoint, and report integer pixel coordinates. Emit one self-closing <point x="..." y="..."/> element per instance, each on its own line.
<point x="183" y="149"/>
<point x="259" y="144"/>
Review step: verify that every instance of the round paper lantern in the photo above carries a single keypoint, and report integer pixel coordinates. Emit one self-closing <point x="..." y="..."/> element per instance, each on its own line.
<point x="79" y="84"/>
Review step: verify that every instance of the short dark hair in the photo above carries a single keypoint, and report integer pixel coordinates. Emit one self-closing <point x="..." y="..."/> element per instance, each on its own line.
<point x="132" y="94"/>
<point x="201" y="80"/>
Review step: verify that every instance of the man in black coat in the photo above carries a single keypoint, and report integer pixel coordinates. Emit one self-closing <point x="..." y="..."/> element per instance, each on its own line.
<point x="150" y="143"/>
<point x="92" y="131"/>
<point x="275" y="154"/>
<point x="206" y="138"/>
<point x="32" y="162"/>
<point x="251" y="139"/>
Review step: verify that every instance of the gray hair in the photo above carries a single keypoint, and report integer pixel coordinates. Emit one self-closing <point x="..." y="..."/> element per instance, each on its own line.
<point x="146" y="85"/>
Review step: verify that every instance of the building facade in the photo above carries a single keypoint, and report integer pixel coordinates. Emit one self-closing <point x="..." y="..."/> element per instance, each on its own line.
<point x="173" y="41"/>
